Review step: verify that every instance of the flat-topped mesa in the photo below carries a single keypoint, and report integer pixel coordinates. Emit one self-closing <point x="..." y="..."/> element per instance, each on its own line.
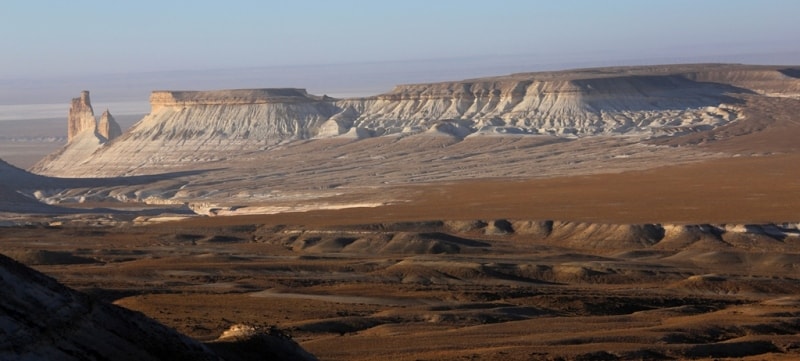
<point x="81" y="116"/>
<point x="575" y="106"/>
<point x="647" y="100"/>
<point x="166" y="98"/>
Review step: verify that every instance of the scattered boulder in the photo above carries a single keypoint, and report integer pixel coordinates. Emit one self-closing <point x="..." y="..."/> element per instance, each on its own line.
<point x="247" y="342"/>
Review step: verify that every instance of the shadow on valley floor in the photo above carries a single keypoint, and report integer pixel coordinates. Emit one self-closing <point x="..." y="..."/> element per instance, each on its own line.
<point x="19" y="186"/>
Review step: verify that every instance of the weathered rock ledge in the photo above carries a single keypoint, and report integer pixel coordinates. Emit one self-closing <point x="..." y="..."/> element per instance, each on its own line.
<point x="167" y="98"/>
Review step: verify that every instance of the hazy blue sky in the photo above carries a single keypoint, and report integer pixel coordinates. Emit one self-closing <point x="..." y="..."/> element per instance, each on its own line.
<point x="86" y="39"/>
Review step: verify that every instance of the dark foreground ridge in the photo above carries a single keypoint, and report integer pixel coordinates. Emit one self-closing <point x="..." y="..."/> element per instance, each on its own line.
<point x="41" y="319"/>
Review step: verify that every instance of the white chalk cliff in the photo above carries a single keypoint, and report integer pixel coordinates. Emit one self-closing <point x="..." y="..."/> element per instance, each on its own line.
<point x="186" y="127"/>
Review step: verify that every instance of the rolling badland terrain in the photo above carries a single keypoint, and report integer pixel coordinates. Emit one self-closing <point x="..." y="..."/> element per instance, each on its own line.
<point x="614" y="213"/>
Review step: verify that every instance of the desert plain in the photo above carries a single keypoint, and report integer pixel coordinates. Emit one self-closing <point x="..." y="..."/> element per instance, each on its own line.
<point x="578" y="244"/>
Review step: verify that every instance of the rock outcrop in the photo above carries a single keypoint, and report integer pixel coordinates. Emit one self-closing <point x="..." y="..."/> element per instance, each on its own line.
<point x="85" y="133"/>
<point x="81" y="119"/>
<point x="107" y="127"/>
<point x="81" y="116"/>
<point x="643" y="102"/>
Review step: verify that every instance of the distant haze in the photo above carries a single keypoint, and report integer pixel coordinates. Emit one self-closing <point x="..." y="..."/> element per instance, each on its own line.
<point x="123" y="50"/>
<point x="127" y="93"/>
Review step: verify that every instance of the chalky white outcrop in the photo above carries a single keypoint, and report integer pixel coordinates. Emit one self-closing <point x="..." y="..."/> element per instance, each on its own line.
<point x="191" y="127"/>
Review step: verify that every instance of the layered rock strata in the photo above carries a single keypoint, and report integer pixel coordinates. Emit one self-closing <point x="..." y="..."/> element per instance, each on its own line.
<point x="185" y="127"/>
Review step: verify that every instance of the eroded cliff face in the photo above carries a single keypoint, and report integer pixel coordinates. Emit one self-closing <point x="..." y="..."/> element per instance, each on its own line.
<point x="186" y="127"/>
<point x="260" y="116"/>
<point x="579" y="107"/>
<point x="642" y="102"/>
<point x="81" y="120"/>
<point x="81" y="116"/>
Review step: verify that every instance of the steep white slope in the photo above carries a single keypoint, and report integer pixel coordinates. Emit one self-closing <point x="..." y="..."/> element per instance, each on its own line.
<point x="609" y="105"/>
<point x="188" y="127"/>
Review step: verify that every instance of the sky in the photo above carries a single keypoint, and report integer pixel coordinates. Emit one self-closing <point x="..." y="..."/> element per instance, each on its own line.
<point x="350" y="47"/>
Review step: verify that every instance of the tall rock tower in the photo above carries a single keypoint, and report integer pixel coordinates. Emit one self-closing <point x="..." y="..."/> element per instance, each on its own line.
<point x="107" y="127"/>
<point x="81" y="116"/>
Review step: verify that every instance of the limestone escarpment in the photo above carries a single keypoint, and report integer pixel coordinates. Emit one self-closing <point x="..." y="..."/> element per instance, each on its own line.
<point x="262" y="116"/>
<point x="642" y="102"/>
<point x="647" y="100"/>
<point x="590" y="106"/>
<point x="163" y="98"/>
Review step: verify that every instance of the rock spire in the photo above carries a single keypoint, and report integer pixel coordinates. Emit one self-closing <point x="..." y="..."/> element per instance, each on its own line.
<point x="107" y="127"/>
<point x="81" y="116"/>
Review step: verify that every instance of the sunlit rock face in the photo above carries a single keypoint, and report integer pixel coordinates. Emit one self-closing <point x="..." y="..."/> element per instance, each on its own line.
<point x="81" y="116"/>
